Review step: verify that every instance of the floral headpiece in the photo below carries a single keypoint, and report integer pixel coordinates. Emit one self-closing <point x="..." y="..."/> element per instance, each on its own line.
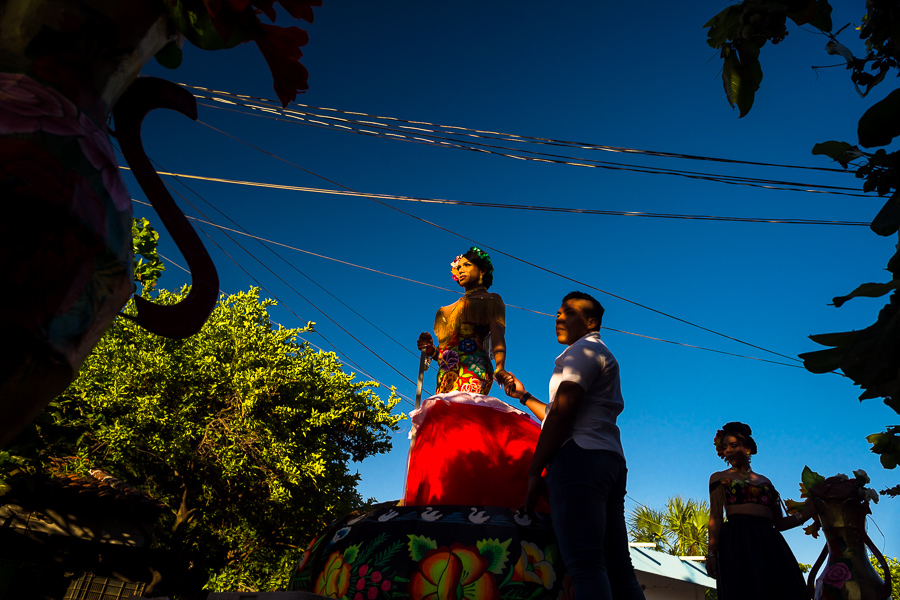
<point x="453" y="266"/>
<point x="481" y="254"/>
<point x="720" y="434"/>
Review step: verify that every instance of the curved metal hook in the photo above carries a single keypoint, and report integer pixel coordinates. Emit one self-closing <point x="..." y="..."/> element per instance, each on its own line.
<point x="187" y="317"/>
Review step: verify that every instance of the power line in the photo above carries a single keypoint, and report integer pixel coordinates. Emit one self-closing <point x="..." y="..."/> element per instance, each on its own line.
<point x="516" y="258"/>
<point x="275" y="106"/>
<point x="587" y="211"/>
<point x="576" y="162"/>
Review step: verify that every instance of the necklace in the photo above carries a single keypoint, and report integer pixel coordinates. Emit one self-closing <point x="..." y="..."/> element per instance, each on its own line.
<point x="474" y="290"/>
<point x="743" y="473"/>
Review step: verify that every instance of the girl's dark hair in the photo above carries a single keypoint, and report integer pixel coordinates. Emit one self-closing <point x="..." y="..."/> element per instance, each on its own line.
<point x="739" y="430"/>
<point x="480" y="259"/>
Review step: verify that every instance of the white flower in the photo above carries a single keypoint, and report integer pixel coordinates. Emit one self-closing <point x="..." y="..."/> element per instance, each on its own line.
<point x="862" y="476"/>
<point x="841" y="477"/>
<point x="870" y="494"/>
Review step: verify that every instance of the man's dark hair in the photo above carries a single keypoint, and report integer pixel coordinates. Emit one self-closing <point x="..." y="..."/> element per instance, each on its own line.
<point x="595" y="310"/>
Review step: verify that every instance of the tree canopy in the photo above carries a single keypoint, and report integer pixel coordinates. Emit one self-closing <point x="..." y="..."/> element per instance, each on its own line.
<point x="679" y="529"/>
<point x="242" y="430"/>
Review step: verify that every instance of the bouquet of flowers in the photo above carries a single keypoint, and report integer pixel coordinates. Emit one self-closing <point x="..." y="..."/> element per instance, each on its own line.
<point x="813" y="484"/>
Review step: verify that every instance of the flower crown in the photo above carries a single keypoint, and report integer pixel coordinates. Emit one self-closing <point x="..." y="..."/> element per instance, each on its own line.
<point x="718" y="442"/>
<point x="481" y="254"/>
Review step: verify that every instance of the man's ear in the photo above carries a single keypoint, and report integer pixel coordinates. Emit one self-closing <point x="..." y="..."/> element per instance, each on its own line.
<point x="592" y="324"/>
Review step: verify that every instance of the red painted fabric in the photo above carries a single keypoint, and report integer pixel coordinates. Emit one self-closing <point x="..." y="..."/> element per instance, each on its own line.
<point x="470" y="454"/>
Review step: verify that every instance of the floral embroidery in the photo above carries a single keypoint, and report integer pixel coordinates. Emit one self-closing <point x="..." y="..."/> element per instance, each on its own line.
<point x="468" y="345"/>
<point x="449" y="360"/>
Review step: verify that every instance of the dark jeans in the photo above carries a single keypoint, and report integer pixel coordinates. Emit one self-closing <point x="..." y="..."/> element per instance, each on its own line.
<point x="587" y="503"/>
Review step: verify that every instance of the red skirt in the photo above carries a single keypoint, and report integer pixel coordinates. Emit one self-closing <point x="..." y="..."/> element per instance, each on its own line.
<point x="470" y="449"/>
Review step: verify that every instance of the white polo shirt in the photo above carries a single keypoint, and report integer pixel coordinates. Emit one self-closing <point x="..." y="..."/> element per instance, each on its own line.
<point x="590" y="364"/>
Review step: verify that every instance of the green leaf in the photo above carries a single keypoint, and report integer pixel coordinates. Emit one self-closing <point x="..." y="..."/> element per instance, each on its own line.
<point x="170" y="56"/>
<point x="351" y="553"/>
<point x="841" y="152"/>
<point x="815" y="12"/>
<point x="495" y="552"/>
<point x="867" y="290"/>
<point x="419" y="546"/>
<point x="810" y="478"/>
<point x="193" y="20"/>
<point x="881" y="123"/>
<point x="887" y="221"/>
<point x="741" y="76"/>
<point x="723" y="27"/>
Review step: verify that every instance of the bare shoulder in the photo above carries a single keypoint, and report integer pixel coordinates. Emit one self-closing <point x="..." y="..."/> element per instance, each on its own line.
<point x="760" y="478"/>
<point x="717" y="476"/>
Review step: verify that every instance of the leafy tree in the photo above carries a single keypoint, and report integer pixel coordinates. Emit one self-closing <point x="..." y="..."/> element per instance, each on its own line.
<point x="869" y="356"/>
<point x="244" y="433"/>
<point x="147" y="266"/>
<point x="894" y="567"/>
<point x="679" y="529"/>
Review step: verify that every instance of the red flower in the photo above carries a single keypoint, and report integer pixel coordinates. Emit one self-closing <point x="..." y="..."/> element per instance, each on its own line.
<point x="281" y="48"/>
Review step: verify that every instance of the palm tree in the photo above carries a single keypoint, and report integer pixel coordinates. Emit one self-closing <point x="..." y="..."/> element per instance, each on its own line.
<point x="679" y="529"/>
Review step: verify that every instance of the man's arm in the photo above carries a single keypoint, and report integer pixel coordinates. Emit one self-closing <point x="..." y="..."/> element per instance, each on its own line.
<point x="557" y="427"/>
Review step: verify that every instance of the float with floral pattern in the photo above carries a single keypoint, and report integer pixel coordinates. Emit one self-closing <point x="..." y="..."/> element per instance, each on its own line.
<point x="434" y="553"/>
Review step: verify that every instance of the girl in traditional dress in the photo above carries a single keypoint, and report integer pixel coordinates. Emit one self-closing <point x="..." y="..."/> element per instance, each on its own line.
<point x="748" y="557"/>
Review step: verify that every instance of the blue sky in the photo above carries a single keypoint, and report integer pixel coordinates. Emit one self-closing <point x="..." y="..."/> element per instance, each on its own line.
<point x="617" y="74"/>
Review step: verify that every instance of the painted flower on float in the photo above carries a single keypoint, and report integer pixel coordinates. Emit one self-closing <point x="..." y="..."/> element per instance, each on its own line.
<point x="334" y="580"/>
<point x="532" y="567"/>
<point x="456" y="573"/>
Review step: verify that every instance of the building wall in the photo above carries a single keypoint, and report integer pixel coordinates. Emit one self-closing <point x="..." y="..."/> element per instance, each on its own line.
<point x="657" y="587"/>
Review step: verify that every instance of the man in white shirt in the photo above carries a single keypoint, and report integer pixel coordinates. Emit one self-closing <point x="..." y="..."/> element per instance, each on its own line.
<point x="580" y="447"/>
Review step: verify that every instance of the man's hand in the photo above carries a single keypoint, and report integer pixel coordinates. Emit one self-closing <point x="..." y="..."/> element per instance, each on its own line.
<point x="712" y="566"/>
<point x="536" y="488"/>
<point x="512" y="386"/>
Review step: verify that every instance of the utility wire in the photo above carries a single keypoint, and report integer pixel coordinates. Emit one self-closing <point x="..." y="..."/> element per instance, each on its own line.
<point x="267" y="241"/>
<point x="583" y="162"/>
<point x="319" y="348"/>
<point x="322" y="312"/>
<point x="275" y="106"/>
<point x="516" y="258"/>
<point x="294" y="267"/>
<point x="587" y="211"/>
